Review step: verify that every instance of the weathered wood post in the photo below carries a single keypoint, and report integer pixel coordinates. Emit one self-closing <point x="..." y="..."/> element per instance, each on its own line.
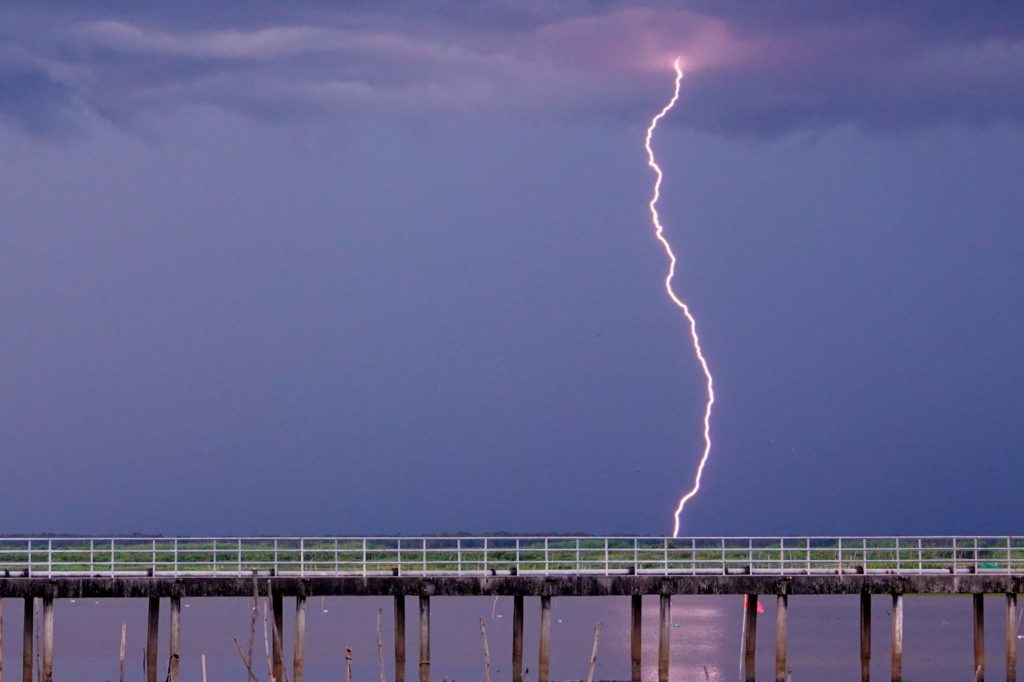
<point x="1011" y="637"/>
<point x="979" y="637"/>
<point x="299" y="660"/>
<point x="780" y="638"/>
<point x="544" y="662"/>
<point x="175" y="639"/>
<point x="399" y="638"/>
<point x="897" y="638"/>
<point x="27" y="638"/>
<point x="517" y="638"/>
<point x="750" y="644"/>
<point x="48" y="638"/>
<point x="636" y="636"/>
<point x="277" y="605"/>
<point x="424" y="638"/>
<point x="664" y="643"/>
<point x="152" y="643"/>
<point x="865" y="636"/>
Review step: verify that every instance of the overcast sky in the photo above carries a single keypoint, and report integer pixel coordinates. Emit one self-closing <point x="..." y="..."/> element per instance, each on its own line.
<point x="321" y="267"/>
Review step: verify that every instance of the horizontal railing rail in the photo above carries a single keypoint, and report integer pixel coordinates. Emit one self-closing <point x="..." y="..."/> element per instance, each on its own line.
<point x="48" y="557"/>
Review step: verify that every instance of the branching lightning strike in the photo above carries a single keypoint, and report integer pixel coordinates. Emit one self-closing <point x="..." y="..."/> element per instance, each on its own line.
<point x="659" y="233"/>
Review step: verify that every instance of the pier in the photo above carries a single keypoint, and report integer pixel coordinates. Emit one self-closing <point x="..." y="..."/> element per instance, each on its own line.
<point x="162" y="570"/>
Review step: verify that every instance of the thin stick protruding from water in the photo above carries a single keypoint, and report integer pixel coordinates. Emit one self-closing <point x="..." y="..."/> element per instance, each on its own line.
<point x="487" y="652"/>
<point x="593" y="653"/>
<point x="380" y="644"/>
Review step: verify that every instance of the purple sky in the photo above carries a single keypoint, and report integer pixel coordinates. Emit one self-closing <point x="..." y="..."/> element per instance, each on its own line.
<point x="320" y="267"/>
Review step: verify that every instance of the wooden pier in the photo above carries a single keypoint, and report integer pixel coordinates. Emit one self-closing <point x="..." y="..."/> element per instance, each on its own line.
<point x="521" y="568"/>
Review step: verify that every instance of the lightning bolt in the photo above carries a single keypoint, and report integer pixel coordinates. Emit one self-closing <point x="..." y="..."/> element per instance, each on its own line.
<point x="659" y="232"/>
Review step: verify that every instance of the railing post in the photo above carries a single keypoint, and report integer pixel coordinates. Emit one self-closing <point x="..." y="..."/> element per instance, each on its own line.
<point x="458" y="556"/>
<point x="49" y="564"/>
<point x="424" y="543"/>
<point x="215" y="556"/>
<point x="897" y="555"/>
<point x="276" y="568"/>
<point x="239" y="556"/>
<point x="92" y="553"/>
<point x="302" y="557"/>
<point x="399" y="556"/>
<point x="485" y="555"/>
<point x="607" y="568"/>
<point x="364" y="554"/>
<point x="175" y="555"/>
<point x="111" y="557"/>
<point x="153" y="549"/>
<point x="547" y="563"/>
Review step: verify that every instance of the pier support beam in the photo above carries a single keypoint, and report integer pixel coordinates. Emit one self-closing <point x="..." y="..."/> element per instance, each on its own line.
<point x="48" y="638"/>
<point x="28" y="636"/>
<point x="865" y="636"/>
<point x="664" y="625"/>
<point x="152" y="632"/>
<point x="979" y="637"/>
<point x="1011" y="637"/>
<point x="897" y="638"/>
<point x="636" y="636"/>
<point x="399" y="638"/>
<point x="277" y="605"/>
<point x="750" y="641"/>
<point x="174" y="665"/>
<point x="517" y="638"/>
<point x="424" y="638"/>
<point x="780" y="637"/>
<point x="544" y="662"/>
<point x="299" y="658"/>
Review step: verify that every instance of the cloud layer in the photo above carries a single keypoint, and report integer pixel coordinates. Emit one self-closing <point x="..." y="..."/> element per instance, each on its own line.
<point x="766" y="70"/>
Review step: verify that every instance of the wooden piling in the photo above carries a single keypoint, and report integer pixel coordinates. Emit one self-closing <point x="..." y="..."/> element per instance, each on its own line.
<point x="27" y="638"/>
<point x="399" y="638"/>
<point x="299" y="659"/>
<point x="865" y="636"/>
<point x="664" y="644"/>
<point x="897" y="638"/>
<point x="636" y="636"/>
<point x="780" y="637"/>
<point x="750" y="643"/>
<point x="424" y="638"/>
<point x="544" y="662"/>
<point x="48" y="639"/>
<point x="979" y="637"/>
<point x="1011" y="637"/>
<point x="121" y="652"/>
<point x="517" y="638"/>
<point x="152" y="643"/>
<point x="277" y="648"/>
<point x="175" y="639"/>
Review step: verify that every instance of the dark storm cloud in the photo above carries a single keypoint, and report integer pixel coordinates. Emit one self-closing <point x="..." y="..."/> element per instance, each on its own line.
<point x="763" y="68"/>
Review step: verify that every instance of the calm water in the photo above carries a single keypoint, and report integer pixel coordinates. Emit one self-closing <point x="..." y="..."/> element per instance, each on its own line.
<point x="823" y="632"/>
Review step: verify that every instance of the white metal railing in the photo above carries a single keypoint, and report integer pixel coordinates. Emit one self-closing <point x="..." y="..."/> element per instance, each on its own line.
<point x="501" y="555"/>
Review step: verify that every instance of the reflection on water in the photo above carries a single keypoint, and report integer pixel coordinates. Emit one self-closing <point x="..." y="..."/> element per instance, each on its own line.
<point x="823" y="637"/>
